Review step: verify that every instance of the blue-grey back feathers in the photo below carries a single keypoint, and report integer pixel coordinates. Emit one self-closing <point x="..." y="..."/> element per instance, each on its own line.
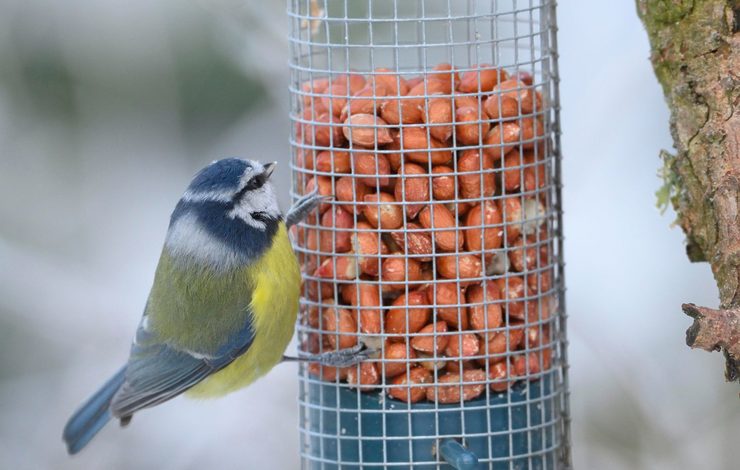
<point x="157" y="372"/>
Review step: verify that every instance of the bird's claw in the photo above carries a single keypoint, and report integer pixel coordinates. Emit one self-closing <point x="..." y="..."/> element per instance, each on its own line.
<point x="304" y="206"/>
<point x="345" y="357"/>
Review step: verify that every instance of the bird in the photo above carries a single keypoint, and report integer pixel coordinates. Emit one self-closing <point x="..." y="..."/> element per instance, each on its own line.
<point x="223" y="303"/>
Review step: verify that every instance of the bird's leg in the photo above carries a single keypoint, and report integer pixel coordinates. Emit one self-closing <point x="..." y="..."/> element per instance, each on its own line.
<point x="304" y="206"/>
<point x="341" y="358"/>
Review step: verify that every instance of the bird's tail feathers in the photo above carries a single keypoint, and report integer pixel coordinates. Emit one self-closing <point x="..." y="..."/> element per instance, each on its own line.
<point x="90" y="418"/>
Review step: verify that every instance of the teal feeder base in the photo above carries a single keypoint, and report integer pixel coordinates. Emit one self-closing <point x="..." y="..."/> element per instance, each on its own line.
<point x="515" y="429"/>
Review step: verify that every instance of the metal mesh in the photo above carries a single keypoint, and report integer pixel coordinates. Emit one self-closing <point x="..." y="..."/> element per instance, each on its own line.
<point x="442" y="246"/>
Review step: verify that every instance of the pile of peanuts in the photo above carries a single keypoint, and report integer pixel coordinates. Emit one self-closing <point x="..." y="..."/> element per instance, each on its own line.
<point x="435" y="248"/>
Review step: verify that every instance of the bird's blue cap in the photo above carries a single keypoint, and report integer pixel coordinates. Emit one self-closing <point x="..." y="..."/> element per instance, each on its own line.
<point x="219" y="175"/>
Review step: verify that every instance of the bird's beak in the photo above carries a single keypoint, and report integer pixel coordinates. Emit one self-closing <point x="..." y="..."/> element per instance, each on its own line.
<point x="269" y="168"/>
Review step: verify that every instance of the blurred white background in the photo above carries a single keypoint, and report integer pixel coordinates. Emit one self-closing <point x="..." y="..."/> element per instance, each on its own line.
<point x="108" y="108"/>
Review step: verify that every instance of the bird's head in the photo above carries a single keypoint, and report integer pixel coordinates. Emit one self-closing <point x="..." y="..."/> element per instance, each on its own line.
<point x="230" y="207"/>
<point x="240" y="188"/>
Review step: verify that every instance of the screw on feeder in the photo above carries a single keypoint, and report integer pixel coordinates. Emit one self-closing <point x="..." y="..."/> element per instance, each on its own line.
<point x="442" y="247"/>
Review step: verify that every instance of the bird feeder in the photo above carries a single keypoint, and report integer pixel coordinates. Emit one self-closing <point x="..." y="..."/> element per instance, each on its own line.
<point x="433" y="128"/>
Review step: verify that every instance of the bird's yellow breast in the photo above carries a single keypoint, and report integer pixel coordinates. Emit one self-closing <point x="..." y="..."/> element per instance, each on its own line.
<point x="274" y="305"/>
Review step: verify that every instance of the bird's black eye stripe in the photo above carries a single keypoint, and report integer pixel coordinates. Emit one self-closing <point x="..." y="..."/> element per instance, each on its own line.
<point x="255" y="183"/>
<point x="261" y="216"/>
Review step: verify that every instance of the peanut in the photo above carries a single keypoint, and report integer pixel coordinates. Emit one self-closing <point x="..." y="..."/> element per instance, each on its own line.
<point x="459" y="266"/>
<point x="381" y="211"/>
<point x="527" y="364"/>
<point x="418" y="313"/>
<point x="521" y="93"/>
<point x="400" y="270"/>
<point x="413" y="186"/>
<point x="365" y="101"/>
<point x="462" y="346"/>
<point x="485" y="310"/>
<point x="428" y="87"/>
<point x="339" y="327"/>
<point x="482" y="79"/>
<point x="511" y="289"/>
<point x="466" y="101"/>
<point x="470" y="125"/>
<point x="350" y="193"/>
<point x="446" y="74"/>
<point x="319" y="290"/>
<point x="477" y="176"/>
<point x="310" y="88"/>
<point x="534" y="173"/>
<point x="368" y="302"/>
<point x="335" y="98"/>
<point x="429" y="340"/>
<point x="531" y="131"/>
<point x="375" y="167"/>
<point x="443" y="186"/>
<point x="419" y="148"/>
<point x="404" y="388"/>
<point x="511" y="208"/>
<point x="366" y="130"/>
<point x="413" y="241"/>
<point x="485" y="230"/>
<point x="501" y="107"/>
<point x="363" y="376"/>
<point x="393" y="151"/>
<point x="354" y="81"/>
<point x="496" y="373"/>
<point x="501" y="139"/>
<point x="397" y="110"/>
<point x="306" y="158"/>
<point x="439" y="218"/>
<point x="448" y="293"/>
<point x="523" y="255"/>
<point x="512" y="171"/>
<point x="394" y="84"/>
<point x="438" y="117"/>
<point x="341" y="268"/>
<point x="333" y="161"/>
<point x="338" y="238"/>
<point x="394" y="354"/>
<point x="328" y="372"/>
<point x="325" y="131"/>
<point x="451" y="393"/>
<point x="540" y="282"/>
<point x="498" y="348"/>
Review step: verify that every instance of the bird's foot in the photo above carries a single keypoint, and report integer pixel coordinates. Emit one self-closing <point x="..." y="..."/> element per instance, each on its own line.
<point x="304" y="206"/>
<point x="341" y="358"/>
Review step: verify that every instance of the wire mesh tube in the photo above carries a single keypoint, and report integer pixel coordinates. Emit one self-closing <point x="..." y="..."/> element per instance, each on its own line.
<point x="434" y="127"/>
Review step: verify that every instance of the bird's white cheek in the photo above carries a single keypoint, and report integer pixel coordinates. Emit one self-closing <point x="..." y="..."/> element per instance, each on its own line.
<point x="188" y="240"/>
<point x="261" y="200"/>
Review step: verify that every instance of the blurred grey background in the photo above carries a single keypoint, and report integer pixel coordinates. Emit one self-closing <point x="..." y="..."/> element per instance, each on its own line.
<point x="106" y="110"/>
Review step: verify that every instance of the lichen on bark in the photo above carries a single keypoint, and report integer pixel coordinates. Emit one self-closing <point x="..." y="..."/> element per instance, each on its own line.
<point x="695" y="52"/>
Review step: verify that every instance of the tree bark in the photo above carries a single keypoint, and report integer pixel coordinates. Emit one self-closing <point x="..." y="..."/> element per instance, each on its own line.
<point x="695" y="51"/>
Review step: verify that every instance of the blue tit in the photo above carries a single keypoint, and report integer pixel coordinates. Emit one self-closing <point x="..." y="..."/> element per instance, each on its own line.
<point x="223" y="304"/>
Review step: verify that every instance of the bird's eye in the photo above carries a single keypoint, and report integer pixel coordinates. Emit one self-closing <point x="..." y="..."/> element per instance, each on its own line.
<point x="255" y="183"/>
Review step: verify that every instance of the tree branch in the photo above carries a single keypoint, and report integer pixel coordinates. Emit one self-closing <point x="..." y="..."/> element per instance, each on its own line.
<point x="715" y="330"/>
<point x="696" y="56"/>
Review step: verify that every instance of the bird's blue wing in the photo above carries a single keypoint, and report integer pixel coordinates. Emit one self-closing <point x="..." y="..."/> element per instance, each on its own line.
<point x="157" y="371"/>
